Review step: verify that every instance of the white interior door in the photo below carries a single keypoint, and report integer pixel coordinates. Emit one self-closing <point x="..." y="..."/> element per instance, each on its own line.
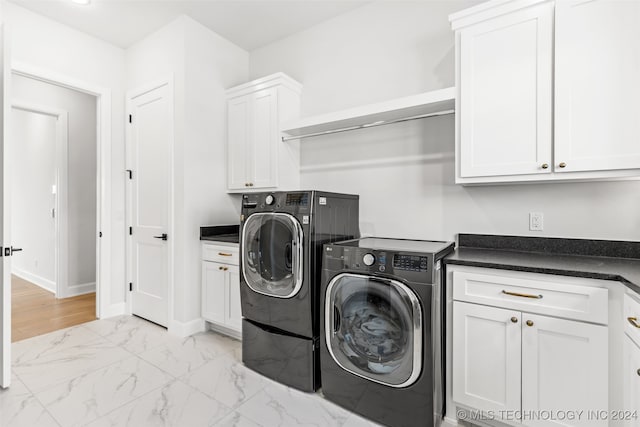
<point x="150" y="139"/>
<point x="5" y="220"/>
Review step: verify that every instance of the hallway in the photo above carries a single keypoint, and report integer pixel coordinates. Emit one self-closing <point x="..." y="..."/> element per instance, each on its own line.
<point x="36" y="311"/>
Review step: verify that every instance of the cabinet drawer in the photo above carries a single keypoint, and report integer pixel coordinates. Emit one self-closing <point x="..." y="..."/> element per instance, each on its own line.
<point x="219" y="253"/>
<point x="552" y="297"/>
<point x="632" y="317"/>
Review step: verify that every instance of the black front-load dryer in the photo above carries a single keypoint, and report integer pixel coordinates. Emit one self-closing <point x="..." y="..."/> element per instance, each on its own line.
<point x="382" y="328"/>
<point x="281" y="240"/>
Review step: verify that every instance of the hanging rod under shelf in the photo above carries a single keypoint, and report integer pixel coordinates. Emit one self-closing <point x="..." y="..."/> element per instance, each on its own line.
<point x="368" y="125"/>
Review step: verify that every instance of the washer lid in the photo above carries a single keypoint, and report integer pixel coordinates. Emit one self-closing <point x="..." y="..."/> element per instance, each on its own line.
<point x="399" y="245"/>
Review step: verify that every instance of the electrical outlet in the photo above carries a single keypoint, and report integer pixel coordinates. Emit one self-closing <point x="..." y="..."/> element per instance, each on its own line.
<point x="536" y="221"/>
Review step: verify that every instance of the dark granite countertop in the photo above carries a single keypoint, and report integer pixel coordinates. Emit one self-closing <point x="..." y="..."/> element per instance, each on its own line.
<point x="594" y="259"/>
<point x="221" y="233"/>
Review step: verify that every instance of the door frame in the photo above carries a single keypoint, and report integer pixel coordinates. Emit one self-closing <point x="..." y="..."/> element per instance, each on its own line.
<point x="103" y="170"/>
<point x="61" y="218"/>
<point x="173" y="326"/>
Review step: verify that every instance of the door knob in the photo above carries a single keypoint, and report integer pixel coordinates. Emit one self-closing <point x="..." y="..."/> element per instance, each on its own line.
<point x="562" y="165"/>
<point x="10" y="251"/>
<point x="529" y="322"/>
<point x="163" y="236"/>
<point x="545" y="166"/>
<point x="514" y="319"/>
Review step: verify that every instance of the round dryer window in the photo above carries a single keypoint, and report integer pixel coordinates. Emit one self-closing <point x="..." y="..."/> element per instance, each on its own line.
<point x="374" y="328"/>
<point x="272" y="254"/>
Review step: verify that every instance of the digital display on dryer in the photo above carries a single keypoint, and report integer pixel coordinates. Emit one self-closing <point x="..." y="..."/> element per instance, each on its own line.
<point x="297" y="199"/>
<point x="410" y="263"/>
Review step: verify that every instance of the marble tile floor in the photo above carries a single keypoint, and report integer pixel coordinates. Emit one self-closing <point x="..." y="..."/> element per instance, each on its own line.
<point x="125" y="371"/>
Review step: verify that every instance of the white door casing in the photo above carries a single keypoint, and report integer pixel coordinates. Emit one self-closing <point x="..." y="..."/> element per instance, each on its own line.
<point x="150" y="145"/>
<point x="5" y="220"/>
<point x="104" y="305"/>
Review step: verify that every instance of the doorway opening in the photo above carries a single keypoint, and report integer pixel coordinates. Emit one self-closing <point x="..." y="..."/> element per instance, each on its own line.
<point x="54" y="207"/>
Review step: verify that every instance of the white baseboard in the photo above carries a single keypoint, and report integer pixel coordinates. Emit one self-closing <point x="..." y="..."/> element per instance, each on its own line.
<point x="185" y="329"/>
<point x="46" y="284"/>
<point x="451" y="421"/>
<point x="224" y="330"/>
<point x="81" y="289"/>
<point x="113" y="310"/>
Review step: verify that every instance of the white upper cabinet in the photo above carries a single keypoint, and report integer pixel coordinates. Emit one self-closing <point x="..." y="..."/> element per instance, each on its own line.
<point x="547" y="90"/>
<point x="597" y="74"/>
<point x="257" y="159"/>
<point x="505" y="108"/>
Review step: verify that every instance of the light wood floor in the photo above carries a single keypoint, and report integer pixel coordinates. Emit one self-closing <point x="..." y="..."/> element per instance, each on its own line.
<point x="35" y="311"/>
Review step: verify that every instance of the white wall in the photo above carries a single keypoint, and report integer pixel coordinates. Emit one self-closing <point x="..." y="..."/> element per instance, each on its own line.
<point x="391" y="49"/>
<point x="203" y="65"/>
<point x="33" y="173"/>
<point x="81" y="192"/>
<point x="47" y="45"/>
<point x="213" y="64"/>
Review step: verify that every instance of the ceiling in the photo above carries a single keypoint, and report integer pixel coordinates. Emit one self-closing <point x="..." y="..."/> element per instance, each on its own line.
<point x="248" y="23"/>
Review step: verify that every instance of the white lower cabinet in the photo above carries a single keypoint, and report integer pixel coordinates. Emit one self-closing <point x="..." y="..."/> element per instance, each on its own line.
<point x="564" y="368"/>
<point x="631" y="383"/>
<point x="486" y="357"/>
<point x="221" y="292"/>
<point x="516" y="365"/>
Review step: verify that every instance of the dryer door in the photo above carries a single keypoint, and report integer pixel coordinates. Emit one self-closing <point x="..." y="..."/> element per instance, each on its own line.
<point x="272" y="254"/>
<point x="374" y="328"/>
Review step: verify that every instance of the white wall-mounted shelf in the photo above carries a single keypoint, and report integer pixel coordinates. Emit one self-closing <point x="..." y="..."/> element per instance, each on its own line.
<point x="437" y="102"/>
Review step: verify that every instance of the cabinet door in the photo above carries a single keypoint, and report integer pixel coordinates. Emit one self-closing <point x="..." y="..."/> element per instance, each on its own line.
<point x="632" y="382"/>
<point x="486" y="357"/>
<point x="564" y="367"/>
<point x="506" y="94"/>
<point x="597" y="85"/>
<point x="238" y="142"/>
<point x="263" y="160"/>
<point x="213" y="291"/>
<point x="233" y="310"/>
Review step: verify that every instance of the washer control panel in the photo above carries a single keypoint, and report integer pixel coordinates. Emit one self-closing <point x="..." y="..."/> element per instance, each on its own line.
<point x="368" y="259"/>
<point x="410" y="262"/>
<point x="404" y="260"/>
